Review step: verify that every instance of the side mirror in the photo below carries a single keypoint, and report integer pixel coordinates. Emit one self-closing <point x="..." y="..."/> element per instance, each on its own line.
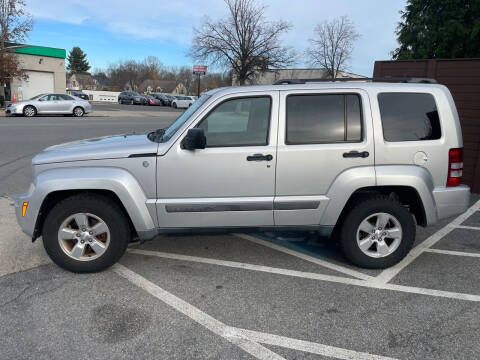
<point x="195" y="139"/>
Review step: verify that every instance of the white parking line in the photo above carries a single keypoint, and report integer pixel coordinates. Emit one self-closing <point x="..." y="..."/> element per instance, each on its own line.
<point x="245" y="339"/>
<point x="329" y="265"/>
<point x="388" y="274"/>
<point x="468" y="227"/>
<point x="450" y="252"/>
<point x="312" y="276"/>
<point x="215" y="326"/>
<point x="306" y="346"/>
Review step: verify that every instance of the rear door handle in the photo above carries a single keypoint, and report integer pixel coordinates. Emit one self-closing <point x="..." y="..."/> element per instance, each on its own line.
<point x="356" y="154"/>
<point x="259" y="157"/>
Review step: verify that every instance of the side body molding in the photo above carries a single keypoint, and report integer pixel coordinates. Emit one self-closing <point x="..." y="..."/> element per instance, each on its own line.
<point x="342" y="188"/>
<point x="117" y="180"/>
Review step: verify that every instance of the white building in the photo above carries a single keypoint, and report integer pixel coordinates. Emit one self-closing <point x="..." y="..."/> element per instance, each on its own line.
<point x="45" y="68"/>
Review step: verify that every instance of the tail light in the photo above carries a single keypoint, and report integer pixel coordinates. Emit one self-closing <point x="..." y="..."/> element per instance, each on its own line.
<point x="455" y="167"/>
<point x="89" y="102"/>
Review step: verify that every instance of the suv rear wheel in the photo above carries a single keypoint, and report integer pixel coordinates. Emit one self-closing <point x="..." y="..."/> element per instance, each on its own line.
<point x="86" y="233"/>
<point x="377" y="233"/>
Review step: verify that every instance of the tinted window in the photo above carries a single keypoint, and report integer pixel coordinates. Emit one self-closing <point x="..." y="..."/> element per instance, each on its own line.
<point x="323" y="118"/>
<point x="238" y="122"/>
<point x="65" y="97"/>
<point x="409" y="117"/>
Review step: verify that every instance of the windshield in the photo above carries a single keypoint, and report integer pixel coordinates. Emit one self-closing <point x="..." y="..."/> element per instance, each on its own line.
<point x="172" y="129"/>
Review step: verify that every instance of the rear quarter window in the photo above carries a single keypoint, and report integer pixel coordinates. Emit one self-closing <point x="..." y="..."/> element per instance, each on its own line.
<point x="409" y="117"/>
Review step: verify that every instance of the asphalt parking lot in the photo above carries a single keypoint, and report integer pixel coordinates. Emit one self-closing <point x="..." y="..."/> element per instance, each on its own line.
<point x="228" y="296"/>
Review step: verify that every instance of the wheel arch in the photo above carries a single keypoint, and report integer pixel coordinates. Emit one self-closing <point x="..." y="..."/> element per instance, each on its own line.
<point x="116" y="184"/>
<point x="411" y="185"/>
<point x="55" y="197"/>
<point x="406" y="195"/>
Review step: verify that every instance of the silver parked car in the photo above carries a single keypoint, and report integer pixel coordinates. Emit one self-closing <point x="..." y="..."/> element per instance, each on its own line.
<point x="366" y="161"/>
<point x="50" y="104"/>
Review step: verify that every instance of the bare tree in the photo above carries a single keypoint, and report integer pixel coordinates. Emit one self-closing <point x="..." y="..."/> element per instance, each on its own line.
<point x="332" y="45"/>
<point x="15" y="24"/>
<point x="244" y="41"/>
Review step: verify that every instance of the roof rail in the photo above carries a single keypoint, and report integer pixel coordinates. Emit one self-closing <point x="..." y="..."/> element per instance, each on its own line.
<point x="384" y="79"/>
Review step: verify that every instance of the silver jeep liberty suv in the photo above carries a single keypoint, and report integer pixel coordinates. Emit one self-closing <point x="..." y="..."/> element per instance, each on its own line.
<point x="364" y="161"/>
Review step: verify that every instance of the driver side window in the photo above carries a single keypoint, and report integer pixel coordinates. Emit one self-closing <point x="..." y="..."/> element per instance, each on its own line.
<point x="238" y="122"/>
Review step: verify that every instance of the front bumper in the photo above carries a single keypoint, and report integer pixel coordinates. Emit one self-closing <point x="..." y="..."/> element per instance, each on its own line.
<point x="11" y="111"/>
<point x="27" y="223"/>
<point x="451" y="201"/>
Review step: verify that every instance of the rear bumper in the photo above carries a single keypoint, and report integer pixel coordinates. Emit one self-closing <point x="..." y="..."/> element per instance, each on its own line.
<point x="451" y="201"/>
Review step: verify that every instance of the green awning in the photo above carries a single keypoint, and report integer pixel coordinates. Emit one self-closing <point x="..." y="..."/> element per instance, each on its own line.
<point x="42" y="51"/>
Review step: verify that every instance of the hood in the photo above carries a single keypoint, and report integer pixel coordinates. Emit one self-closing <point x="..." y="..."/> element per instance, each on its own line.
<point x="108" y="147"/>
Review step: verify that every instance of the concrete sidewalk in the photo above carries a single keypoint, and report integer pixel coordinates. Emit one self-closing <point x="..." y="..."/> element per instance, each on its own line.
<point x="17" y="253"/>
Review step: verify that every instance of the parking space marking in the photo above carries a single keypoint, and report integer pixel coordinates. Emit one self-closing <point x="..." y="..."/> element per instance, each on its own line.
<point x="326" y="264"/>
<point x="312" y="276"/>
<point x="450" y="252"/>
<point x="215" y="326"/>
<point x="245" y="339"/>
<point x="307" y="346"/>
<point x="468" y="227"/>
<point x="388" y="274"/>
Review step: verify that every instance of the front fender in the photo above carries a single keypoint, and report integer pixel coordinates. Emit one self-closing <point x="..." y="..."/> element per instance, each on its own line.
<point x="116" y="180"/>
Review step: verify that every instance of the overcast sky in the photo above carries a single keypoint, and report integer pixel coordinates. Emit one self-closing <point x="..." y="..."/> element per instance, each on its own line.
<point x="112" y="30"/>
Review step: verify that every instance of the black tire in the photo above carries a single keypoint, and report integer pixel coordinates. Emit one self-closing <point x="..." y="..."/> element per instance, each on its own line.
<point x="174" y="105"/>
<point x="78" y="111"/>
<point x="101" y="206"/>
<point x="27" y="111"/>
<point x="360" y="211"/>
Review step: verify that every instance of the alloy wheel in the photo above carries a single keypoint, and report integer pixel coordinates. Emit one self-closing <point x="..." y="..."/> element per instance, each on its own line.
<point x="29" y="111"/>
<point x="84" y="236"/>
<point x="379" y="235"/>
<point x="78" y="112"/>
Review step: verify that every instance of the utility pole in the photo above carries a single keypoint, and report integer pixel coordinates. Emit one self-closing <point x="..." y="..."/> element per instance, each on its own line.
<point x="198" y="86"/>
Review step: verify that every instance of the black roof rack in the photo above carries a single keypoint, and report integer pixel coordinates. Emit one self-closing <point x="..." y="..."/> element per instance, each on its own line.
<point x="384" y="79"/>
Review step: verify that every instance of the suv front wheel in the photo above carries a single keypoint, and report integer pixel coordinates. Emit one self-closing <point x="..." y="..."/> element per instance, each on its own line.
<point x="86" y="233"/>
<point x="377" y="233"/>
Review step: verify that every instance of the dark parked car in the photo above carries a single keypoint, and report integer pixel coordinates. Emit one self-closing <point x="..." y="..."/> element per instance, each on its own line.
<point x="164" y="99"/>
<point x="132" y="98"/>
<point x="78" y="93"/>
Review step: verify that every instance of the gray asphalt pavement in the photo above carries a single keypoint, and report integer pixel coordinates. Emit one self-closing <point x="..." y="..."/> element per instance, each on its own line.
<point x="228" y="296"/>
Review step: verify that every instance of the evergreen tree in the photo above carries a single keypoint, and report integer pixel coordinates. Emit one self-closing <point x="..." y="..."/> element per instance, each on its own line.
<point x="439" y="29"/>
<point x="77" y="61"/>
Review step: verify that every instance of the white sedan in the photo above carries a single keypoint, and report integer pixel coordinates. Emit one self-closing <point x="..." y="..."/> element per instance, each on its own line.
<point x="50" y="104"/>
<point x="182" y="101"/>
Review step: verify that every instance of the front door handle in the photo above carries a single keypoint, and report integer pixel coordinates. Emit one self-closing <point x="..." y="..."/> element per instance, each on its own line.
<point x="259" y="157"/>
<point x="356" y="154"/>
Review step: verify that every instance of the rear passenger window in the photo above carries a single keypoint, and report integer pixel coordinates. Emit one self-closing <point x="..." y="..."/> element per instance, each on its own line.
<point x="409" y="117"/>
<point x="314" y="119"/>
